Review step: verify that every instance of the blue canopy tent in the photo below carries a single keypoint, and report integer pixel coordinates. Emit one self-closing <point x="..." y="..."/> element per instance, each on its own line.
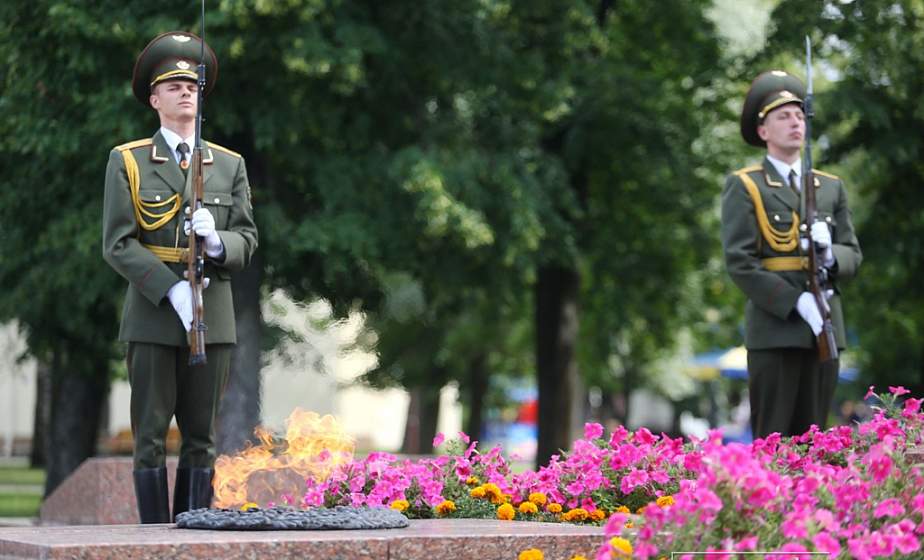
<point x="733" y="364"/>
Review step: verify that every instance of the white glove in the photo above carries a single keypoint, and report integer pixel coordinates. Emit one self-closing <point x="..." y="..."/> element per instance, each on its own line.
<point x="180" y="296"/>
<point x="808" y="309"/>
<point x="204" y="225"/>
<point x="821" y="235"/>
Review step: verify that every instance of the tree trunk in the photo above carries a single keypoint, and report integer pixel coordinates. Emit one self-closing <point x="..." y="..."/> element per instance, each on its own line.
<point x="38" y="455"/>
<point x="556" y="363"/>
<point x="77" y="396"/>
<point x="239" y="412"/>
<point x="422" y="417"/>
<point x="478" y="388"/>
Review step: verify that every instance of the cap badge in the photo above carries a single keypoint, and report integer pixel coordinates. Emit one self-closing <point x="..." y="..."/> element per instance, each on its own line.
<point x="180" y="38"/>
<point x="779" y="73"/>
<point x="182" y="65"/>
<point x="786" y="94"/>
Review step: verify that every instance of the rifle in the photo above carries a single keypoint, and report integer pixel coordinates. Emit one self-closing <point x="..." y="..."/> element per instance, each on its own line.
<point x="817" y="273"/>
<point x="195" y="269"/>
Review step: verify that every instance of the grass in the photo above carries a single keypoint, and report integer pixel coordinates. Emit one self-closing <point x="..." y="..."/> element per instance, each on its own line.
<point x="22" y="475"/>
<point x="19" y="505"/>
<point x="20" y="491"/>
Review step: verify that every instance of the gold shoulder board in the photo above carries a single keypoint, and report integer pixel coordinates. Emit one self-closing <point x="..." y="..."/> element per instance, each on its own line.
<point x="134" y="144"/>
<point x="823" y="174"/>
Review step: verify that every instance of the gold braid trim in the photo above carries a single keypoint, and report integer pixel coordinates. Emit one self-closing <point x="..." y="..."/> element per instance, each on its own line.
<point x="778" y="264"/>
<point x="141" y="207"/>
<point x="781" y="241"/>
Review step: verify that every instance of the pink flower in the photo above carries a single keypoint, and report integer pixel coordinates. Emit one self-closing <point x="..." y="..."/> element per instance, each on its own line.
<point x="592" y="431"/>
<point x="898" y="391"/>
<point x="438" y="440"/>
<point x="464" y="437"/>
<point x="889" y="508"/>
<point x="824" y="542"/>
<point x="634" y="479"/>
<point x="871" y="392"/>
<point x="912" y="407"/>
<point x="618" y="436"/>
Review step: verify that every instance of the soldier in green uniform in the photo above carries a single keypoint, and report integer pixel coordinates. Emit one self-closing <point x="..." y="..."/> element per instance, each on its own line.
<point x="146" y="220"/>
<point x="765" y="257"/>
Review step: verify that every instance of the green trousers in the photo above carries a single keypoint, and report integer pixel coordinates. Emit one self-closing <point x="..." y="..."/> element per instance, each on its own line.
<point x="789" y="390"/>
<point x="163" y="386"/>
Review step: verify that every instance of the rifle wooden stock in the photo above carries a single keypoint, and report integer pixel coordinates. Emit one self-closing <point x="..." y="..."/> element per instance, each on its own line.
<point x="817" y="273"/>
<point x="195" y="269"/>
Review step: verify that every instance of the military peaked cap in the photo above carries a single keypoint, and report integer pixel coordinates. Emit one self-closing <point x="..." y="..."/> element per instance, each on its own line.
<point x="768" y="91"/>
<point x="172" y="56"/>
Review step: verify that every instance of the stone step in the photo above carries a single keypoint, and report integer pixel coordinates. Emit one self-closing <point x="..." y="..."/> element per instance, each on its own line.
<point x="427" y="539"/>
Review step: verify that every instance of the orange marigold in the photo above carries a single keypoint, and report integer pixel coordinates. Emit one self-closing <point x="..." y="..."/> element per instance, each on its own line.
<point x="576" y="514"/>
<point x="622" y="509"/>
<point x="531" y="554"/>
<point x="477" y="492"/>
<point x="665" y="501"/>
<point x="506" y="512"/>
<point x="538" y="498"/>
<point x="472" y="481"/>
<point x="445" y="507"/>
<point x="597" y="515"/>
<point x="554" y="508"/>
<point x="400" y="505"/>
<point x="528" y="507"/>
<point x="621" y="547"/>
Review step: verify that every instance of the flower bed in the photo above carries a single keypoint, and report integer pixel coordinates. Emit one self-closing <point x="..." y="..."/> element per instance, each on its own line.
<point x="847" y="491"/>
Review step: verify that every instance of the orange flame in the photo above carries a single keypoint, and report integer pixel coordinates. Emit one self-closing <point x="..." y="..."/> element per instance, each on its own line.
<point x="276" y="470"/>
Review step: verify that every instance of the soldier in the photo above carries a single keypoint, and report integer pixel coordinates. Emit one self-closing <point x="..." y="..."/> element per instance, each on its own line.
<point x="789" y="389"/>
<point x="146" y="219"/>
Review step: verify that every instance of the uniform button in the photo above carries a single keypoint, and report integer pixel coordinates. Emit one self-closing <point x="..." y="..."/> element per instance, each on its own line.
<point x="157" y="197"/>
<point x="828" y="219"/>
<point x="803" y="227"/>
<point x="776" y="217"/>
<point x="188" y="210"/>
<point x="217" y="200"/>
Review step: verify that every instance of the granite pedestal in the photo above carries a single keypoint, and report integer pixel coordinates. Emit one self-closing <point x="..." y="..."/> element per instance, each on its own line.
<point x="428" y="539"/>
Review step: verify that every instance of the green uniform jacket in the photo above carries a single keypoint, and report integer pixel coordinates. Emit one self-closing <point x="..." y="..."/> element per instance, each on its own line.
<point x="147" y="315"/>
<point x="770" y="317"/>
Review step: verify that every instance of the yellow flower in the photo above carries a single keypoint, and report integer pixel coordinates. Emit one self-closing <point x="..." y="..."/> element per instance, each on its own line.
<point x="538" y="498"/>
<point x="578" y="557"/>
<point x="622" y="509"/>
<point x="641" y="510"/>
<point x="472" y="480"/>
<point x="629" y="525"/>
<point x="445" y="507"/>
<point x="528" y="507"/>
<point x="531" y="554"/>
<point x="576" y="514"/>
<point x="249" y="506"/>
<point x="665" y="501"/>
<point x="477" y="492"/>
<point x="597" y="515"/>
<point x="506" y="512"/>
<point x="400" y="505"/>
<point x="554" y="508"/>
<point x="621" y="547"/>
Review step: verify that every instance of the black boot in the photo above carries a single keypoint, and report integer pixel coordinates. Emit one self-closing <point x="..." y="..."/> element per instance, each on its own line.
<point x="193" y="490"/>
<point x="180" y="492"/>
<point x="151" y="495"/>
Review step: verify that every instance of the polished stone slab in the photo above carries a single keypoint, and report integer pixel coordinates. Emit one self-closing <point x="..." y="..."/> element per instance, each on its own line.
<point x="100" y="492"/>
<point x="427" y="539"/>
